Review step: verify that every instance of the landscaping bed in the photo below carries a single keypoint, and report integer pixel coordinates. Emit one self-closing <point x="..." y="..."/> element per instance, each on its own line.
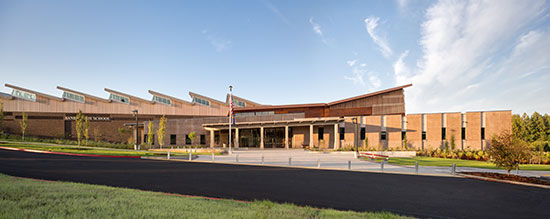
<point x="510" y="177"/>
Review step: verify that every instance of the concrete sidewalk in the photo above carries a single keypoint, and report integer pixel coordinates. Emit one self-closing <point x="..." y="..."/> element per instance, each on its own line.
<point x="341" y="160"/>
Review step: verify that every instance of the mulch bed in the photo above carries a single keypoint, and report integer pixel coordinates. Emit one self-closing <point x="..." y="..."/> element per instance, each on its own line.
<point x="510" y="177"/>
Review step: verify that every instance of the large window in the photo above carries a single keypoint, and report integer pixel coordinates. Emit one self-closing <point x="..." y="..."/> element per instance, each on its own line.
<point x="201" y="101"/>
<point x="463" y="133"/>
<point x="423" y="135"/>
<point x="119" y="98"/>
<point x="162" y="100"/>
<point x="363" y="133"/>
<point x="203" y="139"/>
<point x="24" y="95"/>
<point x="73" y="97"/>
<point x="321" y="133"/>
<point x="483" y="133"/>
<point x="342" y="133"/>
<point x="172" y="139"/>
<point x="443" y="133"/>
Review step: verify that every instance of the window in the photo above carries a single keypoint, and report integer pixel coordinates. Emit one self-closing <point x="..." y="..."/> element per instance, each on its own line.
<point x="162" y="100"/>
<point x="342" y="132"/>
<point x="423" y="135"/>
<point x="172" y="139"/>
<point x="24" y="95"/>
<point x="73" y="97"/>
<point x="239" y="103"/>
<point x="119" y="98"/>
<point x="463" y="133"/>
<point x="187" y="139"/>
<point x="403" y="135"/>
<point x="383" y="136"/>
<point x="201" y="101"/>
<point x="255" y="113"/>
<point x="483" y="133"/>
<point x="363" y="133"/>
<point x="320" y="133"/>
<point x="203" y="139"/>
<point x="443" y="133"/>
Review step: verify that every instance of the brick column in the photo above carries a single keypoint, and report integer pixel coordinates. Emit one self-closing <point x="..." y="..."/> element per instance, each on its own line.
<point x="236" y="137"/>
<point x="336" y="137"/>
<point x="311" y="136"/>
<point x="262" y="137"/>
<point x="286" y="137"/>
<point x="211" y="138"/>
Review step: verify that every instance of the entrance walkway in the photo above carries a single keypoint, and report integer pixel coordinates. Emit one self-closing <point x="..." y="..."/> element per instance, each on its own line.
<point x="335" y="160"/>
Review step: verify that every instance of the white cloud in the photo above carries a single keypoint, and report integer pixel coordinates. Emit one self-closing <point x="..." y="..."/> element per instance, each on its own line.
<point x="351" y="62"/>
<point x="467" y="57"/>
<point x="371" y="23"/>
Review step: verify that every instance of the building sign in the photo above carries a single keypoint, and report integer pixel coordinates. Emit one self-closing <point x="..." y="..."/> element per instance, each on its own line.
<point x="91" y="118"/>
<point x="24" y="95"/>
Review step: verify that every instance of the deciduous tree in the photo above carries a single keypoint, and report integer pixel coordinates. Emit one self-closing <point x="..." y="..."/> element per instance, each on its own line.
<point x="150" y="133"/>
<point x="161" y="132"/>
<point x="24" y="123"/>
<point x="86" y="129"/>
<point x="79" y="126"/>
<point x="508" y="151"/>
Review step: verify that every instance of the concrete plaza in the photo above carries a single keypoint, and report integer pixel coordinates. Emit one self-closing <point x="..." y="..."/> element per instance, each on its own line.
<point x="336" y="160"/>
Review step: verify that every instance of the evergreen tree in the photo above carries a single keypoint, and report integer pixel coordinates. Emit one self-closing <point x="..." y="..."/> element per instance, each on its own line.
<point x="526" y="123"/>
<point x="547" y="124"/>
<point x="538" y="128"/>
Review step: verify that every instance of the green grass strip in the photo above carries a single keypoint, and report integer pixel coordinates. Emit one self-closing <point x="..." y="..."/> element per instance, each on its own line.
<point x="446" y="162"/>
<point x="27" y="198"/>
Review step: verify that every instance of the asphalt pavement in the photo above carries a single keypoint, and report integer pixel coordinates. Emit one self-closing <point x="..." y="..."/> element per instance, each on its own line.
<point x="413" y="195"/>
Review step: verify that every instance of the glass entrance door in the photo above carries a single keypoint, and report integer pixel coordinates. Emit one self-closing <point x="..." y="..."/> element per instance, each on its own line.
<point x="274" y="137"/>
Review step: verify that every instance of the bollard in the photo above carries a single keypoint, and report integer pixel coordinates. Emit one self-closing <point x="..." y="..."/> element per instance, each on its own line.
<point x="416" y="166"/>
<point x="382" y="165"/>
<point x="289" y="161"/>
<point x="190" y="155"/>
<point x="262" y="159"/>
<point x="319" y="163"/>
<point x="212" y="156"/>
<point x="237" y="158"/>
<point x="168" y="155"/>
<point x="453" y="170"/>
<point x="349" y="164"/>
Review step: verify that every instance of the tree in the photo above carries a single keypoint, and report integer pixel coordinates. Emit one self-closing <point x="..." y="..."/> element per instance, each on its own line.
<point x="405" y="143"/>
<point x="453" y="145"/>
<point x="79" y="125"/>
<point x="86" y="129"/>
<point x="538" y="128"/>
<point x="192" y="136"/>
<point x="525" y="123"/>
<point x="508" y="151"/>
<point x="125" y="133"/>
<point x="24" y="123"/>
<point x="150" y="133"/>
<point x="162" y="130"/>
<point x="519" y="128"/>
<point x="547" y="124"/>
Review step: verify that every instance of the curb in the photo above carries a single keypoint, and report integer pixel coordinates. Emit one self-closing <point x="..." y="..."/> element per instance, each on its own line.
<point x="502" y="181"/>
<point x="63" y="153"/>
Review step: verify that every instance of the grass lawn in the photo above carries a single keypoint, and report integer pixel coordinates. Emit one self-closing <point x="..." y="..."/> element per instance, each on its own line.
<point x="432" y="161"/>
<point x="27" y="198"/>
<point x="87" y="150"/>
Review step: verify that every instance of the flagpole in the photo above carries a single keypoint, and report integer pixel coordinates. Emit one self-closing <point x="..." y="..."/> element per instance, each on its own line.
<point x="230" y="114"/>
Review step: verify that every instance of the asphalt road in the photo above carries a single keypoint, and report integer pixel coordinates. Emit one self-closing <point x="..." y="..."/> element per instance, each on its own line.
<point x="420" y="196"/>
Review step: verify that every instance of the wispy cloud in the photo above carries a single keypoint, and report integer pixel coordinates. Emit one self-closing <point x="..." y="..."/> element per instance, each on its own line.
<point x="317" y="29"/>
<point x="277" y="13"/>
<point x="467" y="62"/>
<point x="218" y="43"/>
<point x="358" y="74"/>
<point x="370" y="24"/>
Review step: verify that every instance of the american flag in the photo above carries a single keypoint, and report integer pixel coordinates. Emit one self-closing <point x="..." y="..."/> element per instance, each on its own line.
<point x="231" y="111"/>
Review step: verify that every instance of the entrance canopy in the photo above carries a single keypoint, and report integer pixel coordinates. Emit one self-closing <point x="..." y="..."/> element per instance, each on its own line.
<point x="282" y="123"/>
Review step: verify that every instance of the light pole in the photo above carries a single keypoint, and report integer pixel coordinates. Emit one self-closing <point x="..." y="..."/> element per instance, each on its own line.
<point x="136" y="146"/>
<point x="230" y="114"/>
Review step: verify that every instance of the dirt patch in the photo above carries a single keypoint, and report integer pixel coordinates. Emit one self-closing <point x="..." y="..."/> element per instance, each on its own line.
<point x="510" y="177"/>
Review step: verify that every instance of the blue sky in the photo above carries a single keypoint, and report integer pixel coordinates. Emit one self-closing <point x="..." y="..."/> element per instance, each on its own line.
<point x="459" y="55"/>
